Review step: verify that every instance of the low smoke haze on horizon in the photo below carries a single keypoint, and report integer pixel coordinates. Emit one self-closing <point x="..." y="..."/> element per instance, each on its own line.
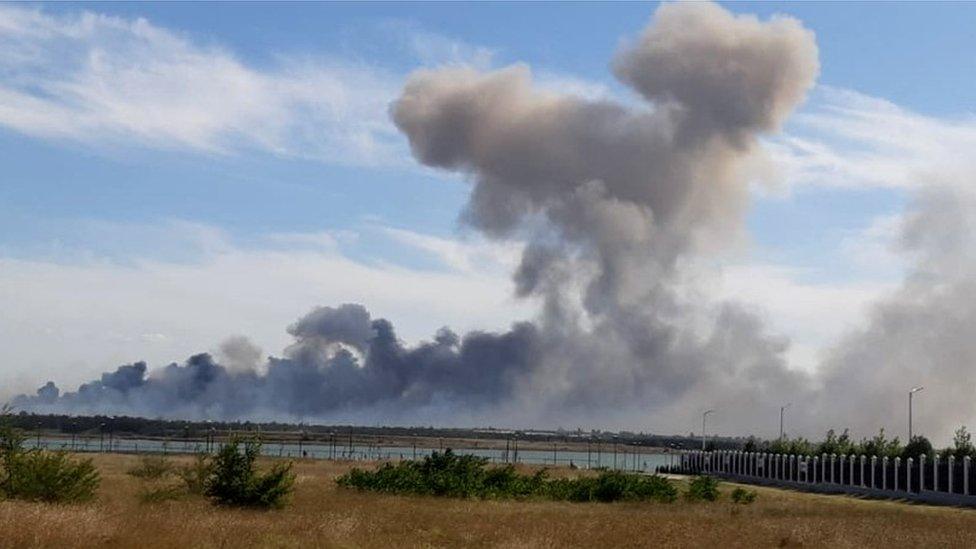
<point x="615" y="217"/>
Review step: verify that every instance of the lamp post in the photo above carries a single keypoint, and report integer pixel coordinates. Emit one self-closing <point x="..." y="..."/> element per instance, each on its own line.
<point x="704" y="415"/>
<point x="910" y="395"/>
<point x="782" y="411"/>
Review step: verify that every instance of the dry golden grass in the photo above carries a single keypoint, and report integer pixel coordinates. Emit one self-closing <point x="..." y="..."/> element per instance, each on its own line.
<point x="322" y="515"/>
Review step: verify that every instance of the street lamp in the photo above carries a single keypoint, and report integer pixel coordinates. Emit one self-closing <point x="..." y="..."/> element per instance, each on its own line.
<point x="704" y="415"/>
<point x="910" y="395"/>
<point x="782" y="410"/>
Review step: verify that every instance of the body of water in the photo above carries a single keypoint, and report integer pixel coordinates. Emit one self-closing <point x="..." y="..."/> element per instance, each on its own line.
<point x="623" y="458"/>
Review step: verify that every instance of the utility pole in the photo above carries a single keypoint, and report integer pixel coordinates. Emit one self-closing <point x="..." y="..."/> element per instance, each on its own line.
<point x="782" y="410"/>
<point x="704" y="415"/>
<point x="910" y="395"/>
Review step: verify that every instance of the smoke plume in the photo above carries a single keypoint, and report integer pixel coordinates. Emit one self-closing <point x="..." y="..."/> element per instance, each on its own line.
<point x="614" y="201"/>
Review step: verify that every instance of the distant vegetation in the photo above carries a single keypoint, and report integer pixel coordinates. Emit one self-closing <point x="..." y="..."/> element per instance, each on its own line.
<point x="879" y="445"/>
<point x="40" y="475"/>
<point x="463" y="476"/>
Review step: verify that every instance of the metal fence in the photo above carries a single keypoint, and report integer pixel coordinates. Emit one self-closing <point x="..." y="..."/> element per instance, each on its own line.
<point x="934" y="480"/>
<point x="608" y="456"/>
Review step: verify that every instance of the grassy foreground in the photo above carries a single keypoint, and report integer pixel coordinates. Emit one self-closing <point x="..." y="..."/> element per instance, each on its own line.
<point x="324" y="515"/>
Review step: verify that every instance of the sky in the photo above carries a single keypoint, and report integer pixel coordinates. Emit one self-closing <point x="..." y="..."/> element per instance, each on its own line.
<point x="175" y="174"/>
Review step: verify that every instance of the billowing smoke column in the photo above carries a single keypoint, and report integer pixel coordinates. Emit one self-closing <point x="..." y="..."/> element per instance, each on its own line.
<point x="614" y="201"/>
<point x="922" y="334"/>
<point x="341" y="360"/>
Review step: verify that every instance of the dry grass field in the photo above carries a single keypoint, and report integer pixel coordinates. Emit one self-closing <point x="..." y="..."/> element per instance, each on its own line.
<point x="322" y="515"/>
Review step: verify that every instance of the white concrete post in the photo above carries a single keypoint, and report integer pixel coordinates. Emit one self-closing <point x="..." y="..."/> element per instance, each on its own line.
<point x="884" y="473"/>
<point x="935" y="473"/>
<point x="874" y="469"/>
<point x="952" y="465"/>
<point x="840" y="469"/>
<point x="791" y="470"/>
<point x="897" y="463"/>
<point x="823" y="469"/>
<point x="778" y="471"/>
<point x="833" y="460"/>
<point x="862" y="470"/>
<point x="850" y="473"/>
<point x="816" y="463"/>
<point x="965" y="475"/>
<point x="921" y="473"/>
<point x="908" y="475"/>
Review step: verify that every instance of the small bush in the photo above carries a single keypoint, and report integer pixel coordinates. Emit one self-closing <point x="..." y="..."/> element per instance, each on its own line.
<point x="195" y="475"/>
<point x="702" y="488"/>
<point x="40" y="475"/>
<point x="234" y="480"/>
<point x="451" y="475"/>
<point x="152" y="468"/>
<point x="48" y="476"/>
<point x="742" y="496"/>
<point x="614" y="486"/>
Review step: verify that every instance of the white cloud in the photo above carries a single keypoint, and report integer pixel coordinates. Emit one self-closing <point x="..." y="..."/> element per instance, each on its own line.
<point x="474" y="256"/>
<point x="71" y="321"/>
<point x="849" y="140"/>
<point x="97" y="79"/>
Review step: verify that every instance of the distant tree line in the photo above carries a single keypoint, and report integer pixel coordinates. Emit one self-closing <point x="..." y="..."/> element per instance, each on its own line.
<point x="163" y="428"/>
<point x="879" y="445"/>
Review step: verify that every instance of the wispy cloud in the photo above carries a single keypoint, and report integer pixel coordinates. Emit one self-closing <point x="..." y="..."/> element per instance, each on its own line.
<point x="157" y="309"/>
<point x="103" y="80"/>
<point x="846" y="139"/>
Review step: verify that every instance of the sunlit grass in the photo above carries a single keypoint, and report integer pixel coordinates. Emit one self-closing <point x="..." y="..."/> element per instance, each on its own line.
<point x="323" y="515"/>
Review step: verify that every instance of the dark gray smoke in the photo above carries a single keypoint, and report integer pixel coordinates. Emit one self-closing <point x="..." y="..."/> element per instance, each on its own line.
<point x="615" y="203"/>
<point x="342" y="360"/>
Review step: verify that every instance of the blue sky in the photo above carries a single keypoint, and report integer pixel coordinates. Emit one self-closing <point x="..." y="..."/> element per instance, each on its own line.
<point x="107" y="194"/>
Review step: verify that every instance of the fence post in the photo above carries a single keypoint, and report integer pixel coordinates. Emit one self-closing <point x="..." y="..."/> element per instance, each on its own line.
<point x="965" y="475"/>
<point x="850" y="474"/>
<point x="884" y="473"/>
<point x="816" y="463"/>
<point x="896" y="464"/>
<point x="951" y="475"/>
<point x="863" y="459"/>
<point x="833" y="460"/>
<point x="935" y="473"/>
<point x="823" y="469"/>
<point x="843" y="458"/>
<point x="908" y="475"/>
<point x="874" y="470"/>
<point x="921" y="473"/>
<point x="790" y="470"/>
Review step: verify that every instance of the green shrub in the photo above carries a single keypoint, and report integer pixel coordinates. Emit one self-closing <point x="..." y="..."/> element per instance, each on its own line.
<point x="152" y="468"/>
<point x="195" y="475"/>
<point x="743" y="496"/>
<point x="40" y="475"/>
<point x="451" y="475"/>
<point x="702" y="488"/>
<point x="614" y="486"/>
<point x="234" y="480"/>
